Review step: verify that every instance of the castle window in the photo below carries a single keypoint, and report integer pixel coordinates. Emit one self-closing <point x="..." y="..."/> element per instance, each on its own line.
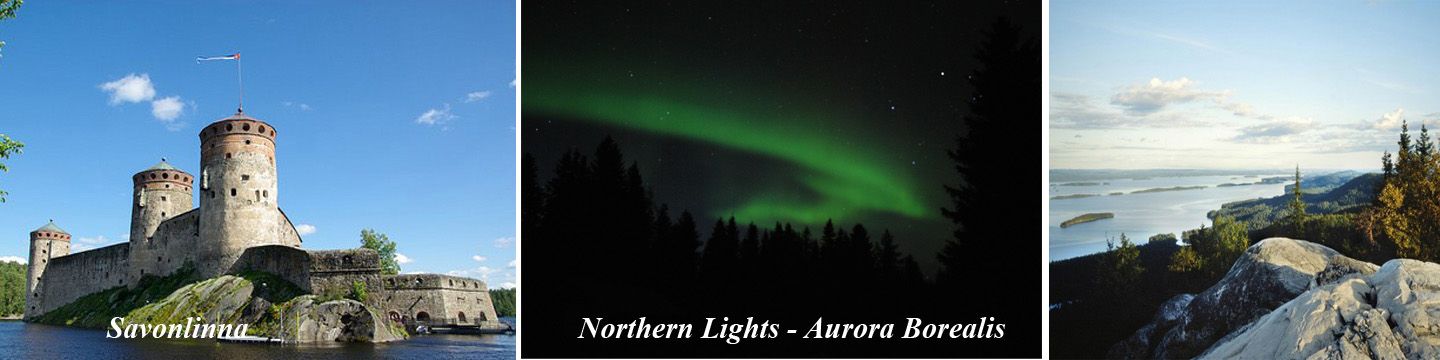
<point x="244" y="177"/>
<point x="165" y="175"/>
<point x="272" y="134"/>
<point x="232" y="191"/>
<point x="452" y="282"/>
<point x="167" y="186"/>
<point x="247" y="127"/>
<point x="267" y="193"/>
<point x="162" y="214"/>
<point x="227" y="155"/>
<point x="229" y="127"/>
<point x="157" y="259"/>
<point x="152" y="176"/>
<point x="212" y="194"/>
<point x="247" y="141"/>
<point x="262" y="129"/>
<point x="163" y="198"/>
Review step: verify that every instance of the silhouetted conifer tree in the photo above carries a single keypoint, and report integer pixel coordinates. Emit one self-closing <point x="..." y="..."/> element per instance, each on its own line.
<point x="1000" y="107"/>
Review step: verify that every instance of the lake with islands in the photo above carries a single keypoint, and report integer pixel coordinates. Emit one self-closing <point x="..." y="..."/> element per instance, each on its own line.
<point x="1140" y="209"/>
<point x="22" y="340"/>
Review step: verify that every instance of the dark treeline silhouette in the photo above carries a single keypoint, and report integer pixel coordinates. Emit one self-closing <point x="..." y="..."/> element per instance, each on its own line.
<point x="597" y="243"/>
<point x="598" y="246"/>
<point x="595" y="214"/>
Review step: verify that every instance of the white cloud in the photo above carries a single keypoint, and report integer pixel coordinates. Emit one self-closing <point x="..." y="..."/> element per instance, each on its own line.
<point x="514" y="83"/>
<point x="507" y="285"/>
<point x="476" y="96"/>
<point x="503" y="242"/>
<point x="1390" y="120"/>
<point x="14" y="259"/>
<point x="167" y="109"/>
<point x="87" y="243"/>
<point x="130" y="89"/>
<point x="512" y="263"/>
<point x="402" y="259"/>
<point x="482" y="273"/>
<point x="1276" y="131"/>
<point x="478" y="258"/>
<point x="436" y="116"/>
<point x="305" y="229"/>
<point x="1148" y="98"/>
<point x="302" y="106"/>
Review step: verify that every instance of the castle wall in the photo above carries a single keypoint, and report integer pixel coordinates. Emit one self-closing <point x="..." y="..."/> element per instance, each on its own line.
<point x="337" y="270"/>
<point x="443" y="298"/>
<point x="172" y="245"/>
<point x="316" y="272"/>
<point x="70" y="277"/>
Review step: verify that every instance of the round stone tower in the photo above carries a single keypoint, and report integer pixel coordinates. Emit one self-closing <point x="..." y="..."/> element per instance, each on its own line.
<point x="47" y="242"/>
<point x="238" y="192"/>
<point x="160" y="192"/>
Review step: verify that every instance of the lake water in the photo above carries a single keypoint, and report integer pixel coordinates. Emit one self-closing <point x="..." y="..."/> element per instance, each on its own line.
<point x="1139" y="216"/>
<point x="19" y="340"/>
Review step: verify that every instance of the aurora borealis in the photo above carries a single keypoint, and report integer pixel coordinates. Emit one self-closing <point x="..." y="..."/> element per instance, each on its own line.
<point x="767" y="112"/>
<point x="844" y="179"/>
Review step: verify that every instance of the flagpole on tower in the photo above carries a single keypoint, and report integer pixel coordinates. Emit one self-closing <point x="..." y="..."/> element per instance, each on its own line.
<point x="240" y="78"/>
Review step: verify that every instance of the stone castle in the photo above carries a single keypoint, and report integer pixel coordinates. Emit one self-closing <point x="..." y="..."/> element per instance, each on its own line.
<point x="238" y="226"/>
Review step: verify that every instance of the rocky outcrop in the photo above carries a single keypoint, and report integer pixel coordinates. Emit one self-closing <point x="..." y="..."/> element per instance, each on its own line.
<point x="306" y="320"/>
<point x="1269" y="274"/>
<point x="1391" y="314"/>
<point x="222" y="300"/>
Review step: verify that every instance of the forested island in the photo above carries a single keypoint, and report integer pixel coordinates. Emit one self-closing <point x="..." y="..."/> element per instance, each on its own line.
<point x="1086" y="218"/>
<point x="1173" y="188"/>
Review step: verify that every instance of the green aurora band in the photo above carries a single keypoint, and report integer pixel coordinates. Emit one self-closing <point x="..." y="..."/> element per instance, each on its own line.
<point x="847" y="181"/>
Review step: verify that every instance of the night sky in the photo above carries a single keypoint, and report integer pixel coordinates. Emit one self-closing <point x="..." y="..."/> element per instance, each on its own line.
<point x="796" y="112"/>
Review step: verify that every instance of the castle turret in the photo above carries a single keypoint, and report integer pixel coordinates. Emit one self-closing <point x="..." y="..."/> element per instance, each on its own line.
<point x="238" y="192"/>
<point x="160" y="192"/>
<point x="47" y="242"/>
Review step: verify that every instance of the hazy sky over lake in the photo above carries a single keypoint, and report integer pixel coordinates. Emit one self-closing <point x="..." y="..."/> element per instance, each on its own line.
<point x="1238" y="84"/>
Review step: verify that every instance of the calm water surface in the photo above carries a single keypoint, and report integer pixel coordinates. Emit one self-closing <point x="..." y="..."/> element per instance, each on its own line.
<point x="19" y="340"/>
<point x="1139" y="216"/>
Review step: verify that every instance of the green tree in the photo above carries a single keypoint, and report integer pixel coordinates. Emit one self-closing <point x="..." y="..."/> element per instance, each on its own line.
<point x="8" y="147"/>
<point x="1120" y="269"/>
<point x="1297" y="208"/>
<point x="358" y="291"/>
<point x="7" y="11"/>
<point x="381" y="243"/>
<point x="1186" y="260"/>
<point x="504" y="300"/>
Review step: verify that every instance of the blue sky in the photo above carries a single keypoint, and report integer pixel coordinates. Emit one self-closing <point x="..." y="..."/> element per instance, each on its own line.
<point x="1238" y="84"/>
<point x="393" y="117"/>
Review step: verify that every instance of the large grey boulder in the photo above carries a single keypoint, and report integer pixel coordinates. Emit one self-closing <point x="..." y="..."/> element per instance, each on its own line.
<point x="1392" y="314"/>
<point x="305" y="320"/>
<point x="1269" y="274"/>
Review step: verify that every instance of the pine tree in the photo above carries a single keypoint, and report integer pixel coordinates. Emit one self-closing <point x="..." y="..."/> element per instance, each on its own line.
<point x="1002" y="88"/>
<point x="1297" y="208"/>
<point x="887" y="256"/>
